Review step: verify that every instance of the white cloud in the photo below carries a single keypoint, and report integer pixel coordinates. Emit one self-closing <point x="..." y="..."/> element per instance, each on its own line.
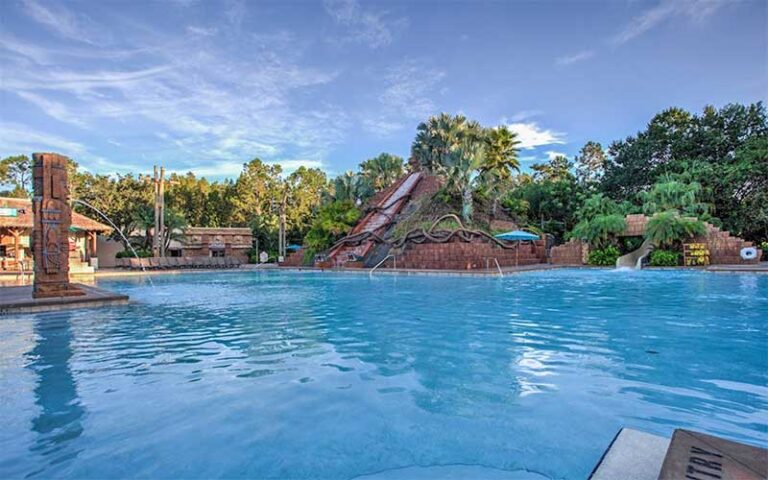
<point x="574" y="58"/>
<point x="382" y="126"/>
<point x="694" y="10"/>
<point x="552" y="154"/>
<point x="532" y="136"/>
<point x="182" y="99"/>
<point x="408" y="90"/>
<point x="363" y="26"/>
<point x="230" y="169"/>
<point x="202" y="31"/>
<point x="409" y="86"/>
<point x="291" y="165"/>
<point x="16" y="138"/>
<point x="523" y="115"/>
<point x="60" y="21"/>
<point x="52" y="108"/>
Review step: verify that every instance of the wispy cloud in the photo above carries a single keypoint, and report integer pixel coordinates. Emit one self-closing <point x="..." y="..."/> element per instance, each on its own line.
<point x="523" y="115"/>
<point x="19" y="138"/>
<point x="407" y="96"/>
<point x="363" y="26"/>
<point x="60" y="20"/>
<point x="553" y="154"/>
<point x="231" y="169"/>
<point x="574" y="58"/>
<point x="665" y="10"/>
<point x="531" y="135"/>
<point x="208" y="106"/>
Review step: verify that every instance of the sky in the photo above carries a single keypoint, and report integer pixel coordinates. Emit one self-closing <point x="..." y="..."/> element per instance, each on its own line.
<point x="204" y="86"/>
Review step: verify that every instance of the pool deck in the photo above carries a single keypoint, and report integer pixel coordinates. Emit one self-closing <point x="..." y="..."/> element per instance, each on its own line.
<point x="16" y="279"/>
<point x="635" y="455"/>
<point x="19" y="300"/>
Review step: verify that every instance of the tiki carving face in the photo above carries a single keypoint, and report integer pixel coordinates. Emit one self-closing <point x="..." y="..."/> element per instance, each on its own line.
<point x="50" y="235"/>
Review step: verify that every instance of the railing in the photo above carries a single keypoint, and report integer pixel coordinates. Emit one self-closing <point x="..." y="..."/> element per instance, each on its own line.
<point x="488" y="267"/>
<point x="394" y="262"/>
<point x="498" y="266"/>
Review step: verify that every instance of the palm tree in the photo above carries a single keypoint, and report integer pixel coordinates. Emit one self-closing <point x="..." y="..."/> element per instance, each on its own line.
<point x="499" y="163"/>
<point x="460" y="169"/>
<point x="600" y="230"/>
<point x="383" y="170"/>
<point x="671" y="194"/>
<point x="665" y="229"/>
<point x="353" y="187"/>
<point x="501" y="152"/>
<point x="440" y="134"/>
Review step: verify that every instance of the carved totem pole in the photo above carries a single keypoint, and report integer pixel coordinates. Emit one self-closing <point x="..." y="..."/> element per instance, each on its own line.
<point x="50" y="234"/>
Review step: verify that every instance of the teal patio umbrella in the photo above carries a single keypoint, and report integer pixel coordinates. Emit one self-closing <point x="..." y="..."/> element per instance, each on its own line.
<point x="517" y="236"/>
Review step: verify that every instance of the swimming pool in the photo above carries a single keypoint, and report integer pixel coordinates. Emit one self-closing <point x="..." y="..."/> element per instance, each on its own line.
<point x="285" y="375"/>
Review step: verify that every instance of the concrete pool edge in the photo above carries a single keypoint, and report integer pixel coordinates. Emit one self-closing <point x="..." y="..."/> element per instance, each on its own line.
<point x="19" y="300"/>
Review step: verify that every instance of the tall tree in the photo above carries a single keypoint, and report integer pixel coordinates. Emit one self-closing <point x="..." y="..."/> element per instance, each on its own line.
<point x="307" y="187"/>
<point x="16" y="172"/>
<point x="256" y="193"/>
<point x="590" y="163"/>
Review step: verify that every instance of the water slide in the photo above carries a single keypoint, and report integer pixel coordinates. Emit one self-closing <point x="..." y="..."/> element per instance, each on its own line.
<point x="378" y="219"/>
<point x="634" y="259"/>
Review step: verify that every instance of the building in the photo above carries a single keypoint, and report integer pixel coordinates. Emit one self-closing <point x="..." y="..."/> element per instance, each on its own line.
<point x="213" y="242"/>
<point x="16" y="229"/>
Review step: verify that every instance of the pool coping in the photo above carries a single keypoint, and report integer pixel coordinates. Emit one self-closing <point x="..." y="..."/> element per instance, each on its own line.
<point x="761" y="269"/>
<point x="18" y="299"/>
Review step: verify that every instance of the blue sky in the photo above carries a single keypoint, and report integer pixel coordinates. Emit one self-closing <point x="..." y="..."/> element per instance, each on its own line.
<point x="205" y="86"/>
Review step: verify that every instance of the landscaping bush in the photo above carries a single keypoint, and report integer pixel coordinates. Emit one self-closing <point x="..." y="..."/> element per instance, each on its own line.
<point x="764" y="247"/>
<point x="604" y="257"/>
<point x="664" y="258"/>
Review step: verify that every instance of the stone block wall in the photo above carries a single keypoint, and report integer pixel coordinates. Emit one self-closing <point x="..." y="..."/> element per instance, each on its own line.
<point x="570" y="253"/>
<point x="458" y="255"/>
<point x="725" y="249"/>
<point x="635" y="225"/>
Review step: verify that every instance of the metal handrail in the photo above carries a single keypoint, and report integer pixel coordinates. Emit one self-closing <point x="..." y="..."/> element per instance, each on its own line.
<point x="498" y="266"/>
<point x="370" y="272"/>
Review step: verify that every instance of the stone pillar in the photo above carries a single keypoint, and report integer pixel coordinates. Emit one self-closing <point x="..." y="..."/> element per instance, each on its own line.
<point x="50" y="233"/>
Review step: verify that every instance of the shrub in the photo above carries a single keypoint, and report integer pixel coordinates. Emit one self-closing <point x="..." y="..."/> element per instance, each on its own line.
<point x="604" y="257"/>
<point x="669" y="227"/>
<point x="764" y="247"/>
<point x="664" y="258"/>
<point x="333" y="221"/>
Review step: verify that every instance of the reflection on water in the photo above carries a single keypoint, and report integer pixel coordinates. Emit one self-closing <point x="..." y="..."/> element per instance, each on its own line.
<point x="56" y="392"/>
<point x="227" y="376"/>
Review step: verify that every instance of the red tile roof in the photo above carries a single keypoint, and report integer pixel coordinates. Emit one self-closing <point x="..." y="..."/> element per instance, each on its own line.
<point x="24" y="217"/>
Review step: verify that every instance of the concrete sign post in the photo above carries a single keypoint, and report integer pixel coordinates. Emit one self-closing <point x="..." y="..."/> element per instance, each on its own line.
<point x="50" y="232"/>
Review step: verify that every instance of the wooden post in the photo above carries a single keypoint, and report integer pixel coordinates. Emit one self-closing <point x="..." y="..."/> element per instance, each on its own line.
<point x="50" y="234"/>
<point x="161" y="201"/>
<point x="90" y="245"/>
<point x="158" y="183"/>
<point x="16" y="244"/>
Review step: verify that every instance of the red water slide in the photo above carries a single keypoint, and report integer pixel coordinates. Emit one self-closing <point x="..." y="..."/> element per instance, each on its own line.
<point x="377" y="220"/>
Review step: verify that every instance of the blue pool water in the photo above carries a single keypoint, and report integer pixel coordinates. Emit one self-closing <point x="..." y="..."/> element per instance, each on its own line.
<point x="284" y="375"/>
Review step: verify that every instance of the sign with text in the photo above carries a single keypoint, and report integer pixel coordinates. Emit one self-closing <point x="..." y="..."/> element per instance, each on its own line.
<point x="9" y="212"/>
<point x="695" y="254"/>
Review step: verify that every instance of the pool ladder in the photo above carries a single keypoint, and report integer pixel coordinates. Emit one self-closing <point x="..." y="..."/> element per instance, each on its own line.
<point x="394" y="261"/>
<point x="487" y="265"/>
